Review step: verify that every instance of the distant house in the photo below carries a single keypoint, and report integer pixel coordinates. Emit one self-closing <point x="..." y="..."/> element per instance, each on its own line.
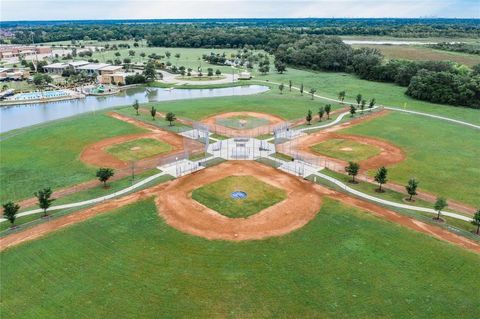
<point x="113" y="78"/>
<point x="244" y="76"/>
<point x="77" y="64"/>
<point x="110" y="69"/>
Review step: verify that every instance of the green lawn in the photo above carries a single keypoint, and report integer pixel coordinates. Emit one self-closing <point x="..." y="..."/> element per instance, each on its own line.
<point x="330" y="83"/>
<point x="242" y="122"/>
<point x="94" y="192"/>
<point x="217" y="196"/>
<point x="344" y="263"/>
<point x="48" y="155"/>
<point x="346" y="150"/>
<point x="442" y="156"/>
<point x="139" y="149"/>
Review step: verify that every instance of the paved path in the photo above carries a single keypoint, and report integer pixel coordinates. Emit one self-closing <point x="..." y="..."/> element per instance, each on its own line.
<point x="94" y="200"/>
<point x="389" y="203"/>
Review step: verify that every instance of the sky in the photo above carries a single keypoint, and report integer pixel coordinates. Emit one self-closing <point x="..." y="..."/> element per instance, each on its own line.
<point x="18" y="10"/>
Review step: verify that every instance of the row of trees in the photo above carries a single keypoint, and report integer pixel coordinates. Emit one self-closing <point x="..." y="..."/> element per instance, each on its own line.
<point x="235" y="32"/>
<point x="353" y="168"/>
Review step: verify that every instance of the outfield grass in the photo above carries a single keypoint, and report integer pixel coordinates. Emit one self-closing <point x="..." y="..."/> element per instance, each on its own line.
<point x="442" y="156"/>
<point x="345" y="149"/>
<point x="217" y="196"/>
<point x="48" y="155"/>
<point x="139" y="149"/>
<point x="344" y="263"/>
<point x="242" y="122"/>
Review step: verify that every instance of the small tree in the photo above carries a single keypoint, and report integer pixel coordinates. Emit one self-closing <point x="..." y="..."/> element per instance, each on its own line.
<point x="218" y="72"/>
<point x="209" y="72"/>
<point x="290" y="85"/>
<point x="136" y="106"/>
<point x="281" y="87"/>
<point x="440" y="204"/>
<point x="328" y="108"/>
<point x="321" y="111"/>
<point x="353" y="110"/>
<point x="371" y="104"/>
<point x="170" y="117"/>
<point x="341" y="96"/>
<point x="352" y="170"/>
<point x="362" y="104"/>
<point x="411" y="187"/>
<point x="10" y="210"/>
<point x="44" y="200"/>
<point x="308" y="118"/>
<point x="359" y="99"/>
<point x="381" y="178"/>
<point x="104" y="175"/>
<point x="476" y="221"/>
<point x="153" y="112"/>
<point x="149" y="72"/>
<point x="312" y="92"/>
<point x="301" y="89"/>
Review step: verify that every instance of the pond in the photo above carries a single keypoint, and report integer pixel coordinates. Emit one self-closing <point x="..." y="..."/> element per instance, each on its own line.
<point x="24" y="115"/>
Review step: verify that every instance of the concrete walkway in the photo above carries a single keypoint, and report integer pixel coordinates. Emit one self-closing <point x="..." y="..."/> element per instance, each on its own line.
<point x="94" y="200"/>
<point x="389" y="203"/>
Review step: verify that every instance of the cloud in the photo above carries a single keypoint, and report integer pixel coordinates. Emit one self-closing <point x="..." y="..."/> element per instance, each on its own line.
<point x="162" y="9"/>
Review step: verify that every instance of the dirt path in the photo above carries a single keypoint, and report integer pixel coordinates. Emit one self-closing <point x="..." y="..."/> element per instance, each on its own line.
<point x="181" y="212"/>
<point x="233" y="132"/>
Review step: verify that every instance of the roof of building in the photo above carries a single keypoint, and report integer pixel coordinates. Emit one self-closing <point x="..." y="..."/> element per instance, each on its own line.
<point x="56" y="66"/>
<point x="78" y="63"/>
<point x="112" y="68"/>
<point x="93" y="66"/>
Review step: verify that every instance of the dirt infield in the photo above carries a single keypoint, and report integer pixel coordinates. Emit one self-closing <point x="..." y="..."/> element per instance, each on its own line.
<point x="389" y="155"/>
<point x="183" y="213"/>
<point x="211" y="121"/>
<point x="96" y="155"/>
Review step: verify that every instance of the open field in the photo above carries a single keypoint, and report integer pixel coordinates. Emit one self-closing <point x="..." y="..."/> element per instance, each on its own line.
<point x="139" y="149"/>
<point x="346" y="150"/>
<point x="336" y="266"/>
<point x="217" y="196"/>
<point x="423" y="53"/>
<point x="329" y="84"/>
<point x="49" y="155"/>
<point x="442" y="156"/>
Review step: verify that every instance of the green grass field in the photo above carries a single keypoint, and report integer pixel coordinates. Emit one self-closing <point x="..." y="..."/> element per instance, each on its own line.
<point x="49" y="155"/>
<point x="329" y="84"/>
<point x="344" y="263"/>
<point x="242" y="122"/>
<point x="217" y="196"/>
<point x="442" y="156"/>
<point x="346" y="150"/>
<point x="139" y="149"/>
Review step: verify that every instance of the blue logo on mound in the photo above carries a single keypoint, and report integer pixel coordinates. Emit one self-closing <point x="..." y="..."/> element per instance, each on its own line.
<point x="238" y="195"/>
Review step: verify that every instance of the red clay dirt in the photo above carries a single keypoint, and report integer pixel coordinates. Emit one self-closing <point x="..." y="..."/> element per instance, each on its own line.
<point x="211" y="121"/>
<point x="183" y="213"/>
